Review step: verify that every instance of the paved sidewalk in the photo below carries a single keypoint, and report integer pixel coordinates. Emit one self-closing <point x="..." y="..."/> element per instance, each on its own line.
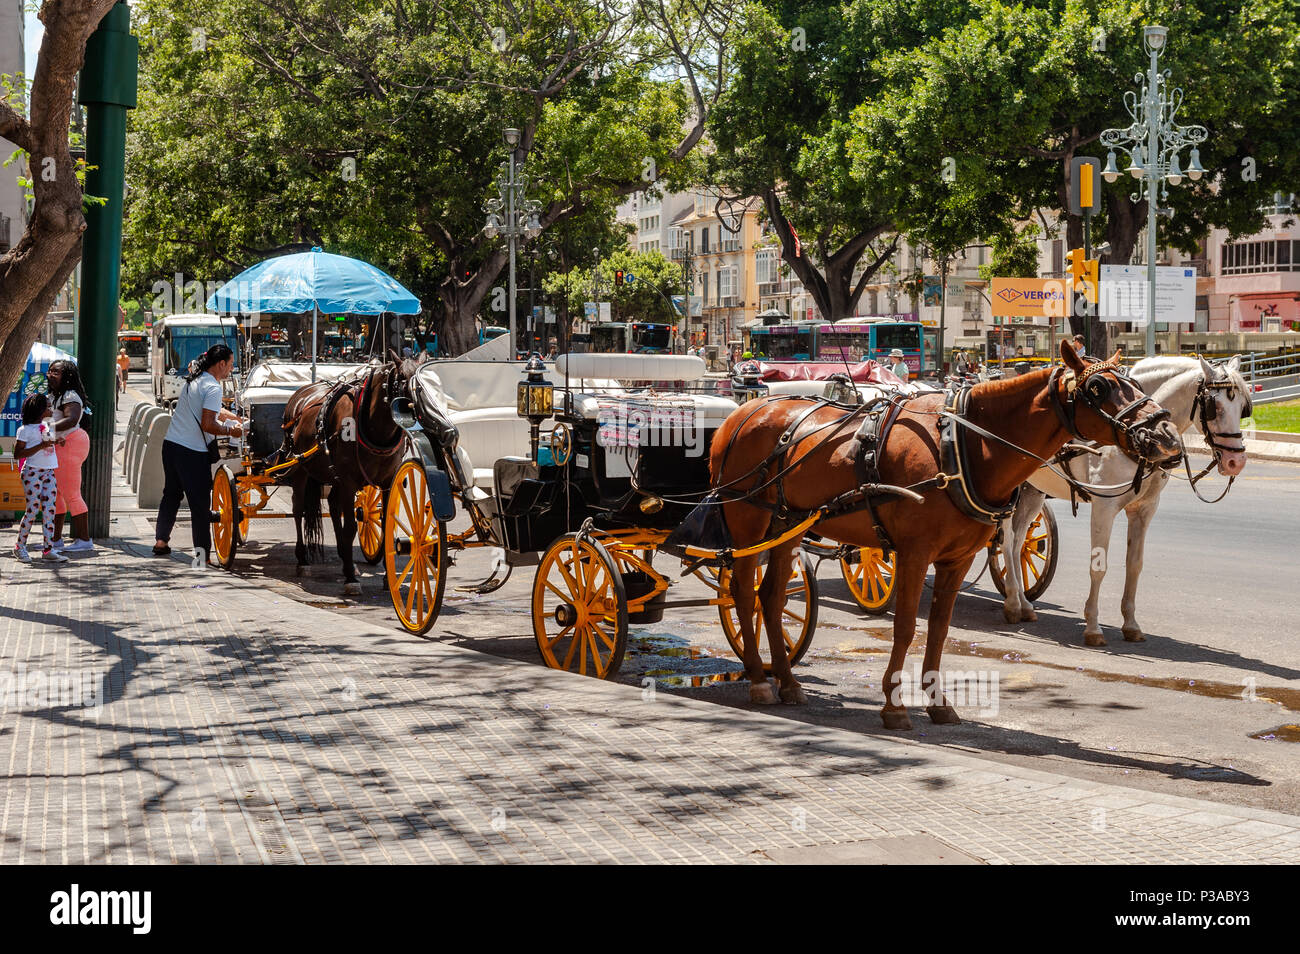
<point x="240" y="726"/>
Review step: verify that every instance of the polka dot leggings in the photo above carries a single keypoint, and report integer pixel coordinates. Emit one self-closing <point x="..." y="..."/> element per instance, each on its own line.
<point x="39" y="486"/>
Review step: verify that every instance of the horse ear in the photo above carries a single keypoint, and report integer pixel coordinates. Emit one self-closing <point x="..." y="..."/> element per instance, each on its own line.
<point x="1070" y="356"/>
<point x="424" y="356"/>
<point x="1116" y="357"/>
<point x="397" y="358"/>
<point x="1207" y="369"/>
<point x="1234" y="364"/>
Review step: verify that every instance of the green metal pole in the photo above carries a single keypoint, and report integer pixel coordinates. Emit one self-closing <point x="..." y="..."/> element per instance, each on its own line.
<point x="108" y="87"/>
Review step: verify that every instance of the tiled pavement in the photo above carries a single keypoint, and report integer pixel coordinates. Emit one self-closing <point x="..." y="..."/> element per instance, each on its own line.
<point x="240" y="726"/>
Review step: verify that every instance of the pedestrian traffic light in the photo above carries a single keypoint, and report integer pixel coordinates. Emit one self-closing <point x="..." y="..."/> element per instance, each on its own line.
<point x="618" y="277"/>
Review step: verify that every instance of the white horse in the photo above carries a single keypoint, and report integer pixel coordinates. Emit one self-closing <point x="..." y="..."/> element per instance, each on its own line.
<point x="1194" y="392"/>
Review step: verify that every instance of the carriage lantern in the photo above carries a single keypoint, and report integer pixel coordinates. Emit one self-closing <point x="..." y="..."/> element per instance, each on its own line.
<point x="536" y="398"/>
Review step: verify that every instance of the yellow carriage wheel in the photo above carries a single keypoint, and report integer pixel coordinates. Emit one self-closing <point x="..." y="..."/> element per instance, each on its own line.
<point x="580" y="608"/>
<point x="871" y="579"/>
<point x="370" y="523"/>
<point x="1037" y="557"/>
<point x="800" y="612"/>
<point x="225" y="533"/>
<point x="246" y="506"/>
<point x="415" y="550"/>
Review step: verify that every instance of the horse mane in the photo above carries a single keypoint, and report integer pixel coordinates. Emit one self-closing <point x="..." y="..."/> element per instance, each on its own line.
<point x="993" y="396"/>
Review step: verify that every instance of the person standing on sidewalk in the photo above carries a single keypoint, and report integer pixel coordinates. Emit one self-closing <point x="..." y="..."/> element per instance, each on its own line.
<point x="70" y="408"/>
<point x="34" y="446"/>
<point x="189" y="446"/>
<point x="123" y="367"/>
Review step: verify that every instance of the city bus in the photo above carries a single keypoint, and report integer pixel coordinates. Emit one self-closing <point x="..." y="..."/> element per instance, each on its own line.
<point x="179" y="339"/>
<point x="796" y="341"/>
<point x="857" y="340"/>
<point x="853" y="340"/>
<point x="631" y="337"/>
<point x="136" y="344"/>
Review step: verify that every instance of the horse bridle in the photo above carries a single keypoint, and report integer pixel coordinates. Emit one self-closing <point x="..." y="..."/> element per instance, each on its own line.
<point x="1093" y="387"/>
<point x="1206" y="403"/>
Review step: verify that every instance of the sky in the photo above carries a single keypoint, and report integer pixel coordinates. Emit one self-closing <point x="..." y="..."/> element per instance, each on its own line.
<point x="32" y="41"/>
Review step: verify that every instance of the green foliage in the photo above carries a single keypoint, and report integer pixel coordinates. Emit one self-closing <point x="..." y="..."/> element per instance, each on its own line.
<point x="648" y="298"/>
<point x="243" y="149"/>
<point x="1013" y="254"/>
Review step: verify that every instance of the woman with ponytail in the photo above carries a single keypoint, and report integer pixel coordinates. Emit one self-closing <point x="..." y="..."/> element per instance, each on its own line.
<point x="196" y="423"/>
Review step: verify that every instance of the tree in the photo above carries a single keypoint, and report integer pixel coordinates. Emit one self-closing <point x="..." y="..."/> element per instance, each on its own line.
<point x="393" y="119"/>
<point x="38" y="265"/>
<point x="1011" y="95"/>
<point x="782" y="133"/>
<point x="648" y="298"/>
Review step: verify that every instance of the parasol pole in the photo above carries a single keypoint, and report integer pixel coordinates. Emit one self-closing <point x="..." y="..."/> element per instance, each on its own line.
<point x="315" y="311"/>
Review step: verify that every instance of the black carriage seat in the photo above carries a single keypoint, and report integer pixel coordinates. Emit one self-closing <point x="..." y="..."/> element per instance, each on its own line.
<point x="432" y="418"/>
<point x="519" y="486"/>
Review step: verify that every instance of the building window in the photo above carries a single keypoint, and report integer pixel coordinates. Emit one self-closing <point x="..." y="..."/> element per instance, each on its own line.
<point x="1245" y="258"/>
<point x="765" y="266"/>
<point x="704" y="239"/>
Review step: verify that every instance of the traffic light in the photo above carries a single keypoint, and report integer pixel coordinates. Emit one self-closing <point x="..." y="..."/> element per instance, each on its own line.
<point x="618" y="277"/>
<point x="1085" y="274"/>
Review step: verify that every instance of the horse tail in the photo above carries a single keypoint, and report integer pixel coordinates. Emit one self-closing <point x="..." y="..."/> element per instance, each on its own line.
<point x="313" y="533"/>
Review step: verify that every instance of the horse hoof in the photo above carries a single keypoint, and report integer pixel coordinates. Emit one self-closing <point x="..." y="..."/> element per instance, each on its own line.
<point x="351" y="589"/>
<point x="793" y="695"/>
<point x="1028" y="616"/>
<point x="1134" y="636"/>
<point x="761" y="694"/>
<point x="1010" y="615"/>
<point x="895" y="719"/>
<point x="943" y="715"/>
<point x="1094" y="639"/>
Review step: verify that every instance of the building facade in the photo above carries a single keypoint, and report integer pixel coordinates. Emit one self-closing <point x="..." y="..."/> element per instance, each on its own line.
<point x="13" y="205"/>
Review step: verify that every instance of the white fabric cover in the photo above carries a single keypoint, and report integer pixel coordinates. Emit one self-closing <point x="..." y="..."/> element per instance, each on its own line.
<point x="632" y="367"/>
<point x="294" y="374"/>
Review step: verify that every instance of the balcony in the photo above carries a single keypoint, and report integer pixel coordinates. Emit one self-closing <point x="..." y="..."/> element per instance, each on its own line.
<point x="679" y="254"/>
<point x="773" y="289"/>
<point x="730" y="245"/>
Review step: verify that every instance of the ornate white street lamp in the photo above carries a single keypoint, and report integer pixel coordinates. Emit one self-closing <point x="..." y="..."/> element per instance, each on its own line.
<point x="513" y="215"/>
<point x="1153" y="141"/>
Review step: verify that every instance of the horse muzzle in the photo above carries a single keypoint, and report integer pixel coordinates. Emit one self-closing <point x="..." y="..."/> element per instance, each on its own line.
<point x="1232" y="462"/>
<point x="1155" y="440"/>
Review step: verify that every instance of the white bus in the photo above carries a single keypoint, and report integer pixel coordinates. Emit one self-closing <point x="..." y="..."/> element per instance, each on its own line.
<point x="178" y="340"/>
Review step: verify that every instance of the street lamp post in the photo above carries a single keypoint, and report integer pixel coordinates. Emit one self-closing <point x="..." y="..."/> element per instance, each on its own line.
<point x="513" y="215"/>
<point x="1153" y="141"/>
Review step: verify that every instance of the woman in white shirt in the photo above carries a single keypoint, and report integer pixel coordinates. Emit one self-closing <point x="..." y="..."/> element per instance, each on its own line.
<point x="66" y="397"/>
<point x="196" y="422"/>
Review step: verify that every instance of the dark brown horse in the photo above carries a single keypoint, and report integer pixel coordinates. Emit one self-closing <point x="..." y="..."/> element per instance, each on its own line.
<point x="358" y="443"/>
<point x="1036" y="411"/>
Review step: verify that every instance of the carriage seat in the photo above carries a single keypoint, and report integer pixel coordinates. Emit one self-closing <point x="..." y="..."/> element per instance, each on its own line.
<point x="488" y="434"/>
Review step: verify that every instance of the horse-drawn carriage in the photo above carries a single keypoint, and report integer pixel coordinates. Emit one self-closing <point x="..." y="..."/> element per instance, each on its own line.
<point x="590" y="503"/>
<point x="868" y="572"/>
<point x="244" y="486"/>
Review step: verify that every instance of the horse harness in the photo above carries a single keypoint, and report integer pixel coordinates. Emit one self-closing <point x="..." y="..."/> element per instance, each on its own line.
<point x="335" y="393"/>
<point x="1206" y="403"/>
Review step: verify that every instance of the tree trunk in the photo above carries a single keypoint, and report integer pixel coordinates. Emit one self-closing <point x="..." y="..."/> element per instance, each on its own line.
<point x="36" y="268"/>
<point x="462" y="300"/>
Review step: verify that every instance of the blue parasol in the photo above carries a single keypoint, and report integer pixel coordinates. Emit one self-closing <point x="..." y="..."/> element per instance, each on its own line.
<point x="315" y="282"/>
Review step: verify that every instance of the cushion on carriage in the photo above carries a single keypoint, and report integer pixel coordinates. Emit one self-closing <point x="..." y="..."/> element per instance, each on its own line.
<point x="631" y="367"/>
<point x="488" y="434"/>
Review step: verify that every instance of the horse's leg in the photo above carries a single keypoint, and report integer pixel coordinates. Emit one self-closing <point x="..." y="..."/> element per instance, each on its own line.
<point x="947" y="584"/>
<point x="909" y="579"/>
<point x="1016" y="606"/>
<point x="1103" y="522"/>
<point x="300" y="547"/>
<point x="1139" y="515"/>
<point x="742" y="594"/>
<point x="772" y="597"/>
<point x="343" y="516"/>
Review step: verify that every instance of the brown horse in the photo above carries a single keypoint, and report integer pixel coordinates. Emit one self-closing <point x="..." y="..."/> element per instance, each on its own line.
<point x="359" y="444"/>
<point x="1037" y="411"/>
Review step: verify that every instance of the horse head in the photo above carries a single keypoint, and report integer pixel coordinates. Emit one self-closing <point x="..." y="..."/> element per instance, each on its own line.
<point x="1222" y="402"/>
<point x="1104" y="404"/>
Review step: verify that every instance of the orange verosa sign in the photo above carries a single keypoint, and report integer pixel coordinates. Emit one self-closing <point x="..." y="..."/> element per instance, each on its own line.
<point x="1028" y="297"/>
